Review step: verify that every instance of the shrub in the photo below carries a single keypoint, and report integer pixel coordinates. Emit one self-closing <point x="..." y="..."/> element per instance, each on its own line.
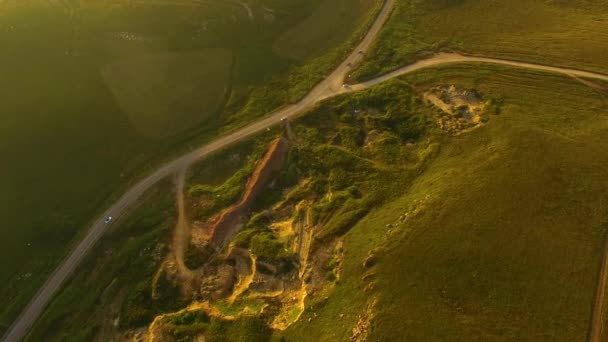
<point x="266" y="247"/>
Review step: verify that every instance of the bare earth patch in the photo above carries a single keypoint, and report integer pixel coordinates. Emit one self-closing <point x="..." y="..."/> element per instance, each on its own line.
<point x="462" y="109"/>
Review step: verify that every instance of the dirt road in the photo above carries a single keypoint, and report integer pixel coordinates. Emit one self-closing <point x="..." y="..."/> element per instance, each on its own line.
<point x="452" y="58"/>
<point x="597" y="332"/>
<point x="330" y="87"/>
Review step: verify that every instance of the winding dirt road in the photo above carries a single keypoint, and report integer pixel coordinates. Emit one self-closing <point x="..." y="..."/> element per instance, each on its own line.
<point x="330" y="87"/>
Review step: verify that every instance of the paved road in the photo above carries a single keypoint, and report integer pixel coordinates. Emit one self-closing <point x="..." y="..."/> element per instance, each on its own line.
<point x="181" y="233"/>
<point x="330" y="87"/>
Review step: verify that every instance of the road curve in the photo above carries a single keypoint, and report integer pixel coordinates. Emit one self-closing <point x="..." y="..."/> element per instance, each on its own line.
<point x="330" y="87"/>
<point x="453" y="58"/>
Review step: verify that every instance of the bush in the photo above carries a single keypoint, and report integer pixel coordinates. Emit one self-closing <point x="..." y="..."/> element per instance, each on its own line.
<point x="140" y="308"/>
<point x="188" y="317"/>
<point x="338" y="179"/>
<point x="267" y="248"/>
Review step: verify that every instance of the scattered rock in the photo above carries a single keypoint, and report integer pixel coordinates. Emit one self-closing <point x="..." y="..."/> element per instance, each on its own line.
<point x="360" y="331"/>
<point x="370" y="261"/>
<point x="367" y="277"/>
<point x="336" y="140"/>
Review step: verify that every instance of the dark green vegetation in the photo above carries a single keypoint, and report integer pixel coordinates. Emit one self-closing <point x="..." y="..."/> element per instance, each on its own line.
<point x="350" y="154"/>
<point x="210" y="190"/>
<point x="566" y="33"/>
<point x="243" y="329"/>
<point x="85" y="106"/>
<point x="505" y="228"/>
<point x="116" y="280"/>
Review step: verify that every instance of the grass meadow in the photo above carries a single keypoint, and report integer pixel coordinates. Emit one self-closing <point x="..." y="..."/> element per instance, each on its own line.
<point x="127" y="257"/>
<point x="562" y="33"/>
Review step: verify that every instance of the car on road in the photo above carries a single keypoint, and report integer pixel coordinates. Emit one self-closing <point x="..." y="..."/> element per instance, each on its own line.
<point x="284" y="118"/>
<point x="345" y="86"/>
<point x="107" y="220"/>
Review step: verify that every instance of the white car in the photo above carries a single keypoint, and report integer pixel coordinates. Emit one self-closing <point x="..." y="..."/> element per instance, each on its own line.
<point x="284" y="118"/>
<point x="108" y="220"/>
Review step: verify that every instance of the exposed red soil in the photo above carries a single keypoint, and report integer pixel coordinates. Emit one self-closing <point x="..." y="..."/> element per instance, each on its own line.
<point x="227" y="223"/>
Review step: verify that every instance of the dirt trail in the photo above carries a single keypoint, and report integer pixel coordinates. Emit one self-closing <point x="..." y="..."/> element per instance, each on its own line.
<point x="597" y="332"/>
<point x="329" y="87"/>
<point x="304" y="239"/>
<point x="181" y="234"/>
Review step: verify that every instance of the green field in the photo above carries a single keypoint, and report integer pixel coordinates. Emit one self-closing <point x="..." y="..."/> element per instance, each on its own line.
<point x="163" y="94"/>
<point x="564" y="33"/>
<point x="506" y="242"/>
<point x="94" y="94"/>
<point x="325" y="28"/>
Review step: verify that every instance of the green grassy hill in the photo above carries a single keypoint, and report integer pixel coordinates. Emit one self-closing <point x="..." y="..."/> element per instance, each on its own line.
<point x="163" y="94"/>
<point x="566" y="33"/>
<point x="506" y="229"/>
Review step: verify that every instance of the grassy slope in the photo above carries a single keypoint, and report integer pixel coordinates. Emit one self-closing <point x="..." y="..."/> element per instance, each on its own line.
<point x="128" y="254"/>
<point x="65" y="136"/>
<point x="572" y="33"/>
<point x="508" y="244"/>
<point x="164" y="94"/>
<point x="325" y="28"/>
